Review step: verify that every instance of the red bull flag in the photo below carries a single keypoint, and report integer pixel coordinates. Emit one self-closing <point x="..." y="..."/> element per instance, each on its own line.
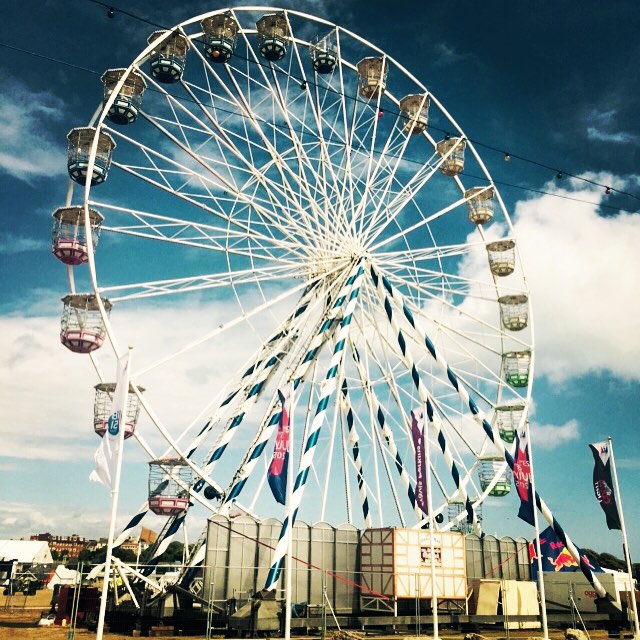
<point x="555" y="556"/>
<point x="603" y="484"/>
<point x="522" y="477"/>
<point x="417" y="432"/>
<point x="277" y="475"/>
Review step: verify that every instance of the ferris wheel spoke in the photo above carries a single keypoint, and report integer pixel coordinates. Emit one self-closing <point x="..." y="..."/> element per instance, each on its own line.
<point x="426" y="221"/>
<point x="290" y="181"/>
<point x="242" y="318"/>
<point x="247" y="160"/>
<point x="385" y="175"/>
<point x="366" y="378"/>
<point x="178" y="231"/>
<point x="426" y="400"/>
<point x="405" y="196"/>
<point x="220" y="181"/>
<point x="326" y="165"/>
<point x="306" y="358"/>
<point x="354" y="443"/>
<point x="197" y="283"/>
<point x="271" y="356"/>
<point x="197" y="201"/>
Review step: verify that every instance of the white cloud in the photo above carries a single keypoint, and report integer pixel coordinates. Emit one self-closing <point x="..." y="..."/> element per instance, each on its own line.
<point x="11" y="243"/>
<point x="28" y="151"/>
<point x="622" y="137"/>
<point x="602" y="128"/>
<point x="627" y="463"/>
<point x="447" y="54"/>
<point x="550" y="436"/>
<point x="583" y="270"/>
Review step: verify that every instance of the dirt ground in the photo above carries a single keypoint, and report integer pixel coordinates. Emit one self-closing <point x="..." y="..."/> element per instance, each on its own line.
<point x="19" y="616"/>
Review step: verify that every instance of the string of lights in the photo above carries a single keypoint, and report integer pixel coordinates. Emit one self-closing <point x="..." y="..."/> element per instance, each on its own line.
<point x="559" y="174"/>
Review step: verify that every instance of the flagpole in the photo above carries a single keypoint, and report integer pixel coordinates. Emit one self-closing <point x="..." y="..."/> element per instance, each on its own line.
<point x="434" y="586"/>
<point x="536" y="526"/>
<point x="114" y="499"/>
<point x="625" y="544"/>
<point x="287" y="595"/>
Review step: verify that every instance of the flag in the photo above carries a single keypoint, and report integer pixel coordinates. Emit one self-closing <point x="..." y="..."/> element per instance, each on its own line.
<point x="555" y="556"/>
<point x="417" y="432"/>
<point x="106" y="456"/>
<point x="603" y="484"/>
<point x="522" y="477"/>
<point x="277" y="475"/>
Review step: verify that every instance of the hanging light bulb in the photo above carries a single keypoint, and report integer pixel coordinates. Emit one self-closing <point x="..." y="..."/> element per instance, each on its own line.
<point x="607" y="191"/>
<point x="380" y="113"/>
<point x="507" y="157"/>
<point x="447" y="136"/>
<point x="111" y="12"/>
<point x="303" y="85"/>
<point x="559" y="175"/>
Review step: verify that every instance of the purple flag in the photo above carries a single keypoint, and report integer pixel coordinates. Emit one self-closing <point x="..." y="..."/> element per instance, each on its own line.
<point x="417" y="432"/>
<point x="603" y="484"/>
<point x="277" y="475"/>
<point x="522" y="477"/>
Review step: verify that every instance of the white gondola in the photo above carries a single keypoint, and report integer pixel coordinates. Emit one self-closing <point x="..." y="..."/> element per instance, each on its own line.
<point x="82" y="329"/>
<point x="103" y="404"/>
<point x="479" y="204"/>
<point x="324" y="53"/>
<point x="220" y="34"/>
<point x="514" y="311"/>
<point x="124" y="109"/>
<point x="452" y="150"/>
<point x="507" y="420"/>
<point x="169" y="56"/>
<point x="488" y="469"/>
<point x="414" y="110"/>
<point x="455" y="508"/>
<point x="69" y="235"/>
<point x="502" y="257"/>
<point x="80" y="141"/>
<point x="372" y="77"/>
<point x="169" y="481"/>
<point x="273" y="36"/>
<point x="516" y="366"/>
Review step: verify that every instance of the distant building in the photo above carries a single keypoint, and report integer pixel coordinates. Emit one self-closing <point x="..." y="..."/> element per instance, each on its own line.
<point x="65" y="546"/>
<point x="140" y="543"/>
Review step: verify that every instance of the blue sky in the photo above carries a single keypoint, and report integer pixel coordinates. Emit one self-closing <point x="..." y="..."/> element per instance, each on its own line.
<point x="557" y="85"/>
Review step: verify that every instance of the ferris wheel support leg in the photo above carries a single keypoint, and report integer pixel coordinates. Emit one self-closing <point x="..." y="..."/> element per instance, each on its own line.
<point x="425" y="397"/>
<point x="387" y="434"/>
<point x="355" y="449"/>
<point x="265" y="432"/>
<point x="328" y="387"/>
<point x="480" y="418"/>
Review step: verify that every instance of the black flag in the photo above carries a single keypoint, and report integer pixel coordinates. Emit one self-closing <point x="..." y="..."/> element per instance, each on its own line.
<point x="603" y="485"/>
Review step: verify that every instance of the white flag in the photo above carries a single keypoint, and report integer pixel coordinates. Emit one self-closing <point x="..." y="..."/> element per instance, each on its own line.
<point x="106" y="457"/>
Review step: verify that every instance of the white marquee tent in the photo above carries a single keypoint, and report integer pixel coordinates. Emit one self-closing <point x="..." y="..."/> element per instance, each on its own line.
<point x="26" y="552"/>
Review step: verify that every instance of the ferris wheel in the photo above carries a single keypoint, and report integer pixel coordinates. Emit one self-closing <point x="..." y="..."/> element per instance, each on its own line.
<point x="352" y="247"/>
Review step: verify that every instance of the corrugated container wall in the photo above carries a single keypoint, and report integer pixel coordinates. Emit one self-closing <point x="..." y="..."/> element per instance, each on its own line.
<point x="239" y="553"/>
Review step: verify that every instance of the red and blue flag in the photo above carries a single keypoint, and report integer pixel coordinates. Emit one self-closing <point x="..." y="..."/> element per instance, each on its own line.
<point x="278" y="468"/>
<point x="555" y="556"/>
<point x="522" y="477"/>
